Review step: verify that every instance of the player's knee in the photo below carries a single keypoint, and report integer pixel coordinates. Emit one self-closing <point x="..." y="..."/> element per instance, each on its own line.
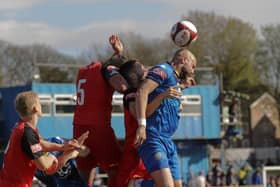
<point x="163" y="178"/>
<point x="178" y="183"/>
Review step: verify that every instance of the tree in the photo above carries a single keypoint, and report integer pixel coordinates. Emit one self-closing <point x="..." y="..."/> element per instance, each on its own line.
<point x="52" y="65"/>
<point x="268" y="57"/>
<point x="148" y="51"/>
<point x="228" y="44"/>
<point x="2" y="48"/>
<point x="19" y="64"/>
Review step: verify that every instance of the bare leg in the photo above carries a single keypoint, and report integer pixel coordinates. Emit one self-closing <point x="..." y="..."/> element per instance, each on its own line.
<point x="178" y="183"/>
<point x="91" y="177"/>
<point x="163" y="178"/>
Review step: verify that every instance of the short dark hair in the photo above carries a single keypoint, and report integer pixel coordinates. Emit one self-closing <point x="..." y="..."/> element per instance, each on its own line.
<point x="116" y="60"/>
<point x="131" y="72"/>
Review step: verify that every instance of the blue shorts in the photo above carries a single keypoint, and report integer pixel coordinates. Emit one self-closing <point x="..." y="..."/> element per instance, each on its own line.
<point x="158" y="153"/>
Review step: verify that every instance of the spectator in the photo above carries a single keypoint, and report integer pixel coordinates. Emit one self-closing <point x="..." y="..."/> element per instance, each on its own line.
<point x="231" y="178"/>
<point x="220" y="178"/>
<point x="201" y="180"/>
<point x="191" y="182"/>
<point x="209" y="179"/>
<point x="278" y="180"/>
<point x="242" y="173"/>
<point x="218" y="175"/>
<point x="257" y="177"/>
<point x="272" y="181"/>
<point x="216" y="168"/>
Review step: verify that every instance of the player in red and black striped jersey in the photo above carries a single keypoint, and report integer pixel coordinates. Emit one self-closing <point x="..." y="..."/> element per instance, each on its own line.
<point x="18" y="166"/>
<point x="26" y="151"/>
<point x="95" y="86"/>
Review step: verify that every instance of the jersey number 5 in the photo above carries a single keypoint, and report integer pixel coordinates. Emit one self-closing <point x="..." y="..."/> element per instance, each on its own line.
<point x="81" y="92"/>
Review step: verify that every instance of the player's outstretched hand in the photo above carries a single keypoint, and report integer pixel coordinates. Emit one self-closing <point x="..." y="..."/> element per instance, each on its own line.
<point x="116" y="44"/>
<point x="172" y="92"/>
<point x="82" y="152"/>
<point x="82" y="138"/>
<point x="140" y="135"/>
<point x="71" y="145"/>
<point x="75" y="144"/>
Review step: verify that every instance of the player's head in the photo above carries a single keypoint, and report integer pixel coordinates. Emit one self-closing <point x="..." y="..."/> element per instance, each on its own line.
<point x="134" y="72"/>
<point x="27" y="103"/>
<point x="184" y="63"/>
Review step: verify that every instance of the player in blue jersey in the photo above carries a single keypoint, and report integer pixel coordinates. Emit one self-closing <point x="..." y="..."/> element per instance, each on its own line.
<point x="67" y="175"/>
<point x="134" y="73"/>
<point x="153" y="136"/>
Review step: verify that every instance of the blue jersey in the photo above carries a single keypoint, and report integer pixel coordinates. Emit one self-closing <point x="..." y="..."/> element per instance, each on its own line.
<point x="164" y="121"/>
<point x="159" y="151"/>
<point x="67" y="176"/>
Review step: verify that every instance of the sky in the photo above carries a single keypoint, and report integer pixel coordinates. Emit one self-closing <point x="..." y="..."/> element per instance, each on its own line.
<point x="72" y="26"/>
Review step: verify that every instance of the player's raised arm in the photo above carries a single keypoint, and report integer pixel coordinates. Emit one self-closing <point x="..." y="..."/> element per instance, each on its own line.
<point x="68" y="145"/>
<point x="116" y="44"/>
<point x="110" y="67"/>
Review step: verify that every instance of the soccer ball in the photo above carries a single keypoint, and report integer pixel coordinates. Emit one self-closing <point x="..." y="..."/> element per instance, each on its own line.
<point x="53" y="168"/>
<point x="183" y="33"/>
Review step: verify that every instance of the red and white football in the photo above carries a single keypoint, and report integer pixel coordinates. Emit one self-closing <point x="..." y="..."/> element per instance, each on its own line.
<point x="183" y="33"/>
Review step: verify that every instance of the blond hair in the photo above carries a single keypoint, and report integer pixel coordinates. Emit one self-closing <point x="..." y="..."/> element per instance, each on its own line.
<point x="24" y="103"/>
